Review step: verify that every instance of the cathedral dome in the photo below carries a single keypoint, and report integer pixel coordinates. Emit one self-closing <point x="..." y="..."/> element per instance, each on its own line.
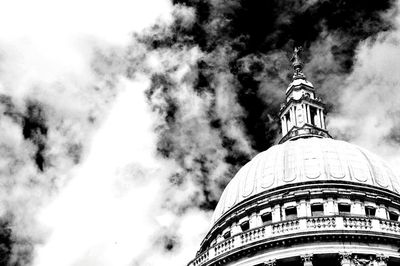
<point x="306" y="160"/>
<point x="310" y="200"/>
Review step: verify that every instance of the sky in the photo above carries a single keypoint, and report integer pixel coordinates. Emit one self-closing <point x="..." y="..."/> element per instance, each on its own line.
<point x="122" y="121"/>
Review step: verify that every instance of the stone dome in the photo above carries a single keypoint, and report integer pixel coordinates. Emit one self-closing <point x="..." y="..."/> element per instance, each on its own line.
<point x="306" y="160"/>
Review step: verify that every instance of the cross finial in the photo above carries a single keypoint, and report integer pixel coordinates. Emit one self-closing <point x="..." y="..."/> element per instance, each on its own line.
<point x="297" y="63"/>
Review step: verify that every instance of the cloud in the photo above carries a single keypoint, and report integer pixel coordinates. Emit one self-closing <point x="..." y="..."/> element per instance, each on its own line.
<point x="367" y="110"/>
<point x="121" y="123"/>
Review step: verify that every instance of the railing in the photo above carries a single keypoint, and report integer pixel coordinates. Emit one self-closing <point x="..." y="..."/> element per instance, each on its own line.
<point x="300" y="225"/>
<point x="201" y="259"/>
<point x="357" y="223"/>
<point x="224" y="246"/>
<point x="285" y="227"/>
<point x="321" y="222"/>
<point x="252" y="235"/>
<point x="390" y="226"/>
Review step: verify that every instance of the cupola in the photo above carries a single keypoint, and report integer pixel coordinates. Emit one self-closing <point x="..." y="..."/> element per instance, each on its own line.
<point x="302" y="114"/>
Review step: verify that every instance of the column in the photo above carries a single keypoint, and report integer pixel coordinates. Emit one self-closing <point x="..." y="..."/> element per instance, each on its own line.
<point x="270" y="263"/>
<point x="381" y="212"/>
<point x="302" y="210"/>
<point x="307" y="259"/>
<point x="255" y="220"/>
<point x="292" y="117"/>
<point x="304" y="113"/>
<point x="308" y="114"/>
<point x="318" y="118"/>
<point x="381" y="260"/>
<point x="329" y="207"/>
<point x="357" y="208"/>
<point x="345" y="259"/>
<point x="323" y="119"/>
<point x="235" y="229"/>
<point x="284" y="126"/>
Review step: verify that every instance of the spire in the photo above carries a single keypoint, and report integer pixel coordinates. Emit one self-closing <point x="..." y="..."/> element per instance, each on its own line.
<point x="302" y="115"/>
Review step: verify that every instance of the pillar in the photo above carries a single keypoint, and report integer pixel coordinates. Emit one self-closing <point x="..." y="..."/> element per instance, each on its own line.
<point x="295" y="115"/>
<point x="235" y="229"/>
<point x="318" y="118"/>
<point x="381" y="212"/>
<point x="329" y="207"/>
<point x="345" y="259"/>
<point x="302" y="210"/>
<point x="357" y="208"/>
<point x="323" y="119"/>
<point x="308" y="114"/>
<point x="284" y="126"/>
<point x="255" y="220"/>
<point x="276" y="214"/>
<point x="304" y="113"/>
<point x="307" y="259"/>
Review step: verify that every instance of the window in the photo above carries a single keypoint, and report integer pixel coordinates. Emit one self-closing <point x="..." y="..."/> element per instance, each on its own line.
<point x="291" y="213"/>
<point x="266" y="218"/>
<point x="245" y="226"/>
<point x="313" y="116"/>
<point x="344" y="209"/>
<point x="370" y="211"/>
<point x="393" y="216"/>
<point x="317" y="210"/>
<point x="227" y="234"/>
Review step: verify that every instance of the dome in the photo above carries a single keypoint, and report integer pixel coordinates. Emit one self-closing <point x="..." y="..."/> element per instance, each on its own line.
<point x="306" y="160"/>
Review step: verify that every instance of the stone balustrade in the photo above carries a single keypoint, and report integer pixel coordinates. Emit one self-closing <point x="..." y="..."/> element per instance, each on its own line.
<point x="300" y="225"/>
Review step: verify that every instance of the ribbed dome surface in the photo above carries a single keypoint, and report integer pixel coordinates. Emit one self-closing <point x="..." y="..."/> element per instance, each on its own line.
<point x="302" y="160"/>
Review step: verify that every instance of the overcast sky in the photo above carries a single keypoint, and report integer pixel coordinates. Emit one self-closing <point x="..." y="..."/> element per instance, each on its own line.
<point x="122" y="121"/>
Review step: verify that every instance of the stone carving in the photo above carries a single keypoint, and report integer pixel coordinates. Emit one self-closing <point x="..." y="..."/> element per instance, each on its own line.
<point x="307" y="259"/>
<point x="270" y="263"/>
<point x="382" y="259"/>
<point x="345" y="258"/>
<point x="363" y="261"/>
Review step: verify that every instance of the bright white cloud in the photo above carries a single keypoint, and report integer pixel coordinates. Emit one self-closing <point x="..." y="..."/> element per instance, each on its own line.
<point x="104" y="216"/>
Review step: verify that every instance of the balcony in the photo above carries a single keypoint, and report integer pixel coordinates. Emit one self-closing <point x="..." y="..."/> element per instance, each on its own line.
<point x="305" y="225"/>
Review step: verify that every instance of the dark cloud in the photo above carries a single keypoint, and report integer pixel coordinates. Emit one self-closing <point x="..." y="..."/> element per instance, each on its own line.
<point x="35" y="130"/>
<point x="245" y="48"/>
<point x="5" y="242"/>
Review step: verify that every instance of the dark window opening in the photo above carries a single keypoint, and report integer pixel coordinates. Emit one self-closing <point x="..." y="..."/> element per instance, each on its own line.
<point x="291" y="213"/>
<point x="287" y="117"/>
<point x="245" y="226"/>
<point x="313" y="115"/>
<point x="227" y="234"/>
<point x="344" y="209"/>
<point x="370" y="211"/>
<point x="266" y="218"/>
<point x="393" y="216"/>
<point x="317" y="210"/>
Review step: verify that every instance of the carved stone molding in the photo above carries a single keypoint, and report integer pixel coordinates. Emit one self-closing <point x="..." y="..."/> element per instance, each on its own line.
<point x="363" y="261"/>
<point x="270" y="263"/>
<point x="382" y="259"/>
<point x="307" y="259"/>
<point x="345" y="258"/>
